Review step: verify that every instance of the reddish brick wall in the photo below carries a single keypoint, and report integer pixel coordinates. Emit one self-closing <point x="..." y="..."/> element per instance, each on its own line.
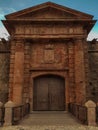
<point x="63" y="57"/>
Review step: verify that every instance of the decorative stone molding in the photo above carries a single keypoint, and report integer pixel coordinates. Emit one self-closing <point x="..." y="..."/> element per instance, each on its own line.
<point x="19" y="45"/>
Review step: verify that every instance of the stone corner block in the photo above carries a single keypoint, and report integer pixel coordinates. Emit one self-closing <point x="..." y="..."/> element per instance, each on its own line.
<point x="90" y="104"/>
<point x="91" y="113"/>
<point x="9" y="104"/>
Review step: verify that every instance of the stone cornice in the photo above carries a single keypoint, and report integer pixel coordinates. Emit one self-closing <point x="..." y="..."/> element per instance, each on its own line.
<point x="10" y="24"/>
<point x="50" y="20"/>
<point x="49" y="37"/>
<point x="49" y="69"/>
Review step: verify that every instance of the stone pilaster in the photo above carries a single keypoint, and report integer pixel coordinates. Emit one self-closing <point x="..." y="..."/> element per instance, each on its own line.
<point x="27" y="50"/>
<point x="18" y="78"/>
<point x="71" y="71"/>
<point x="11" y="72"/>
<point x="79" y="72"/>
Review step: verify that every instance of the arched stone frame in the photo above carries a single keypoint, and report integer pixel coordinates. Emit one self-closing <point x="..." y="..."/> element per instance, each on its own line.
<point x="63" y="74"/>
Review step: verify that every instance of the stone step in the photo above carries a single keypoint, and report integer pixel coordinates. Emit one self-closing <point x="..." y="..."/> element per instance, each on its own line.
<point x="49" y="119"/>
<point x="49" y="112"/>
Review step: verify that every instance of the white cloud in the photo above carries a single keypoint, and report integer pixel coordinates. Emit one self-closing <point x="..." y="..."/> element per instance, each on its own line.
<point x="3" y="12"/>
<point x="92" y="35"/>
<point x="3" y="33"/>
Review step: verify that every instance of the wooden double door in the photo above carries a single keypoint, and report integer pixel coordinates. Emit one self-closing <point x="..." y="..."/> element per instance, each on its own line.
<point x="49" y="93"/>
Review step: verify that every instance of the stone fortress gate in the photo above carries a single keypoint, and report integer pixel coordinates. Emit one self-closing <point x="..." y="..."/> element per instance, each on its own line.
<point x="49" y="57"/>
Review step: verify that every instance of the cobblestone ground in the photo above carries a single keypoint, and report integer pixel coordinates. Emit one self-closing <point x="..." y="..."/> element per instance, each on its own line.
<point x="49" y="121"/>
<point x="49" y="128"/>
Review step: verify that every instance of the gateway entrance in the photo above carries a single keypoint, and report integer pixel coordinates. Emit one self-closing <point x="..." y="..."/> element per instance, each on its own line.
<point x="49" y="93"/>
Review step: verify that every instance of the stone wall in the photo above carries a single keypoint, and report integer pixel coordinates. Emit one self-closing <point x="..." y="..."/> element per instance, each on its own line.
<point x="93" y="70"/>
<point x="4" y="70"/>
<point x="91" y="75"/>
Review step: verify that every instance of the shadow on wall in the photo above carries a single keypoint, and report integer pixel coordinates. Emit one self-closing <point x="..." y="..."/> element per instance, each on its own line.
<point x="3" y="97"/>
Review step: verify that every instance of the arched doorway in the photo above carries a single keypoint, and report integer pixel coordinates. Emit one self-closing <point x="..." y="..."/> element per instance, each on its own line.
<point x="49" y="93"/>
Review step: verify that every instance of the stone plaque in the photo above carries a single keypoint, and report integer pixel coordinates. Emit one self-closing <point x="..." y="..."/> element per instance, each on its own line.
<point x="49" y="56"/>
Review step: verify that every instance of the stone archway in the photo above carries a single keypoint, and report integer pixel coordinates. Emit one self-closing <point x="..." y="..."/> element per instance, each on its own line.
<point x="49" y="93"/>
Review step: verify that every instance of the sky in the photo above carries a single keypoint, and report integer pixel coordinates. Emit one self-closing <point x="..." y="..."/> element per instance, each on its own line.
<point x="86" y="6"/>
